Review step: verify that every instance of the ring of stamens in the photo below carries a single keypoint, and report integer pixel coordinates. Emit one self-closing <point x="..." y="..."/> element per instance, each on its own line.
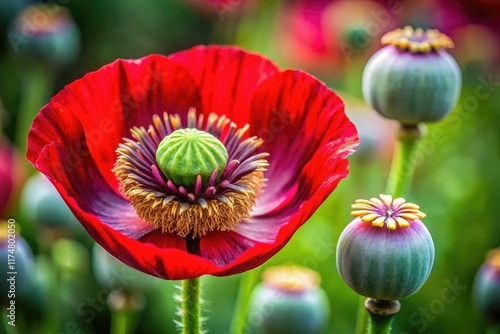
<point x="417" y="40"/>
<point x="384" y="211"/>
<point x="217" y="205"/>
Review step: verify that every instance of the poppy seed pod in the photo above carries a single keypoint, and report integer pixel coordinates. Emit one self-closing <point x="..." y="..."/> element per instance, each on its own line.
<point x="47" y="33"/>
<point x="289" y="300"/>
<point x="186" y="154"/>
<point x="487" y="286"/>
<point x="111" y="273"/>
<point x="42" y="205"/>
<point x="16" y="278"/>
<point x="386" y="253"/>
<point x="412" y="79"/>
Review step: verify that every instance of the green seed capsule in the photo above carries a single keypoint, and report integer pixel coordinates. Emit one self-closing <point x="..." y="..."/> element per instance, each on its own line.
<point x="187" y="153"/>
<point x="385" y="253"/>
<point x="289" y="301"/>
<point x="412" y="79"/>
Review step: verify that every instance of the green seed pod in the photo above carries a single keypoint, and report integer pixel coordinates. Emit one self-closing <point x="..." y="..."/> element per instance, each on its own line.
<point x="115" y="275"/>
<point x="187" y="153"/>
<point x="16" y="278"/>
<point x="289" y="301"/>
<point x="386" y="253"/>
<point x="46" y="33"/>
<point x="487" y="287"/>
<point x="42" y="204"/>
<point x="412" y="79"/>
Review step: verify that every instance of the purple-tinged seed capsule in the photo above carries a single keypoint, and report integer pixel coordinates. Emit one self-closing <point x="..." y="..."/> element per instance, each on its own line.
<point x="386" y="252"/>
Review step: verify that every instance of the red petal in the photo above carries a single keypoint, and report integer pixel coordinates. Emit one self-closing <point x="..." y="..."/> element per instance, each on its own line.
<point x="109" y="102"/>
<point x="308" y="159"/>
<point x="227" y="78"/>
<point x="296" y="115"/>
<point x="67" y="162"/>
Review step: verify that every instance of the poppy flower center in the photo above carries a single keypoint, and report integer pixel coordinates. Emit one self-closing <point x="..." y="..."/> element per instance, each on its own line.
<point x="187" y="153"/>
<point x="194" y="178"/>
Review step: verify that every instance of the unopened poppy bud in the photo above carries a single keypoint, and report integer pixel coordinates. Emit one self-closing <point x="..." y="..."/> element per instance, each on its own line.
<point x="187" y="153"/>
<point x="487" y="286"/>
<point x="386" y="252"/>
<point x="289" y="300"/>
<point x="412" y="79"/>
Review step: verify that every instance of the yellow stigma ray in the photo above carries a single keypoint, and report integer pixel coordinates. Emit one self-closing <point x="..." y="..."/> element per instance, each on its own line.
<point x="386" y="211"/>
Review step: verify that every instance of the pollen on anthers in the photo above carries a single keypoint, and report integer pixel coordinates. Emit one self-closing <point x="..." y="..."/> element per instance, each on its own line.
<point x="384" y="211"/>
<point x="193" y="178"/>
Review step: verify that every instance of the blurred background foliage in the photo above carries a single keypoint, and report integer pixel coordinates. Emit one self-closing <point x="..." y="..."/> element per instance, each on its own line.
<point x="456" y="182"/>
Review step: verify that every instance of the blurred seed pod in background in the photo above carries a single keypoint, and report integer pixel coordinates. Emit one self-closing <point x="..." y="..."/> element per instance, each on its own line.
<point x="289" y="300"/>
<point x="487" y="287"/>
<point x="354" y="28"/>
<point x="115" y="275"/>
<point x="44" y="207"/>
<point x="386" y="252"/>
<point x="46" y="33"/>
<point x="16" y="257"/>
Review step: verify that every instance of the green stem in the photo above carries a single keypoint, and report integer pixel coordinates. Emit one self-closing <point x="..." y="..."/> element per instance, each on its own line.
<point x="36" y="90"/>
<point x="119" y="322"/>
<point x="380" y="324"/>
<point x="125" y="307"/>
<point x="382" y="314"/>
<point x="403" y="163"/>
<point x="361" y="318"/>
<point x="247" y="283"/>
<point x="54" y="302"/>
<point x="191" y="310"/>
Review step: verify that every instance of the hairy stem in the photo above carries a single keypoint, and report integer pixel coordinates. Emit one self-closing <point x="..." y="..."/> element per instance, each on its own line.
<point x="191" y="310"/>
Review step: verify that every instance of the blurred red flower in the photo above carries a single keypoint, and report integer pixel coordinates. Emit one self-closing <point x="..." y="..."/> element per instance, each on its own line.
<point x="12" y="175"/>
<point x="301" y="122"/>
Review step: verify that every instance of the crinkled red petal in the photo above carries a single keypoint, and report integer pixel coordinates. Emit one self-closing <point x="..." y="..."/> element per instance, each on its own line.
<point x="127" y="93"/>
<point x="227" y="78"/>
<point x="309" y="139"/>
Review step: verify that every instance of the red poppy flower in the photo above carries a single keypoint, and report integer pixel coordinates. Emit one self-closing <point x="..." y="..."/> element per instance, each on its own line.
<point x="288" y="115"/>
